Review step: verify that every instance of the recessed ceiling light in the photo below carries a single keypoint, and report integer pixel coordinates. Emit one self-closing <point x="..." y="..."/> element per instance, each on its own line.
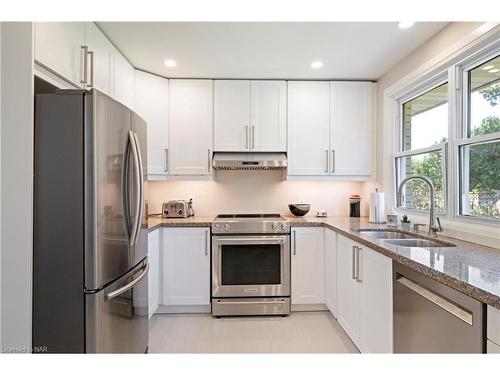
<point x="488" y="67"/>
<point x="494" y="70"/>
<point x="316" y="64"/>
<point x="170" y="63"/>
<point x="405" y="24"/>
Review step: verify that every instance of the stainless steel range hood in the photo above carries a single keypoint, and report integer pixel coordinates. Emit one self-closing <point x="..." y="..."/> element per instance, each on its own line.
<point x="247" y="160"/>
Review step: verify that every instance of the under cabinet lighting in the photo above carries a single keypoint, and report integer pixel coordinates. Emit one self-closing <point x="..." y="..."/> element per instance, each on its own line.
<point x="170" y="63"/>
<point x="493" y="70"/>
<point x="405" y="24"/>
<point x="488" y="67"/>
<point x="316" y="64"/>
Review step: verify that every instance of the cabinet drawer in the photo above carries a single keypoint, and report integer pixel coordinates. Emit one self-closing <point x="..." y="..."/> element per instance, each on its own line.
<point x="493" y="325"/>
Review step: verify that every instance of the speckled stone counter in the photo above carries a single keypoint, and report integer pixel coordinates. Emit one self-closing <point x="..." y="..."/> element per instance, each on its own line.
<point x="467" y="267"/>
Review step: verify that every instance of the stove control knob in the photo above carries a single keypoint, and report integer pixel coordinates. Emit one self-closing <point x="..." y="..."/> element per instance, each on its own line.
<point x="284" y="226"/>
<point x="227" y="226"/>
<point x="217" y="226"/>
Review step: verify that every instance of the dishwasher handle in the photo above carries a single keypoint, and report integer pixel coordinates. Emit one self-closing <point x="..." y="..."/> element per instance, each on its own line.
<point x="439" y="301"/>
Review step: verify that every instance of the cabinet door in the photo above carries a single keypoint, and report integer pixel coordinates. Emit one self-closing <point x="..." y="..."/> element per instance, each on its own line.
<point x="190" y="127"/>
<point x="308" y="280"/>
<point x="351" y="128"/>
<point x="186" y="266"/>
<point x="376" y="302"/>
<point x="308" y="128"/>
<point x="123" y="80"/>
<point x="231" y="115"/>
<point x="58" y="47"/>
<point x="151" y="103"/>
<point x="348" y="300"/>
<point x="154" y="271"/>
<point x="331" y="270"/>
<point x="268" y="115"/>
<point x="103" y="58"/>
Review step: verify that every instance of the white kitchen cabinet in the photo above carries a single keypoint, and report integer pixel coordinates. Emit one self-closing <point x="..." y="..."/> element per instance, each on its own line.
<point x="375" y="325"/>
<point x="249" y="115"/>
<point x="307" y="267"/>
<point x="190" y="127"/>
<point x="268" y="115"/>
<point x="186" y="266"/>
<point x="331" y="270"/>
<point x="492" y="348"/>
<point x="364" y="296"/>
<point x="58" y="47"/>
<point x="154" y="271"/>
<point x="231" y="115"/>
<point x="123" y="80"/>
<point x="308" y="128"/>
<point x="493" y="324"/>
<point x="348" y="299"/>
<point x="102" y="52"/>
<point x="351" y="128"/>
<point x="151" y="103"/>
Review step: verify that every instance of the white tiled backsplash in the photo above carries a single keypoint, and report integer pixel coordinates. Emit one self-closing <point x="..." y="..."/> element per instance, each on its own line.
<point x="258" y="191"/>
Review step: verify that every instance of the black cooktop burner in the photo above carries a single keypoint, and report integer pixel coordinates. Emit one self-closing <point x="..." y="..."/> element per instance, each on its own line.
<point x="243" y="216"/>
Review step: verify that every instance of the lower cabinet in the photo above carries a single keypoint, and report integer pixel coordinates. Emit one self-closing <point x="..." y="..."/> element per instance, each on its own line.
<point x="154" y="271"/>
<point x="186" y="269"/>
<point x="331" y="270"/>
<point x="308" y="270"/>
<point x="364" y="299"/>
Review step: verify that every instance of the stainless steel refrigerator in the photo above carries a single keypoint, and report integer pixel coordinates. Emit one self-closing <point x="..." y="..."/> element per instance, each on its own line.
<point x="90" y="259"/>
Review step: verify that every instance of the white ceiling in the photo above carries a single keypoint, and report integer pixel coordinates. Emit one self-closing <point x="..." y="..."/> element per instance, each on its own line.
<point x="349" y="50"/>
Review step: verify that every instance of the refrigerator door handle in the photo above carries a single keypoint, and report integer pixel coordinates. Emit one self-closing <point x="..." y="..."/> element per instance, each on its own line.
<point x="130" y="285"/>
<point x="137" y="191"/>
<point x="125" y="188"/>
<point x="140" y="172"/>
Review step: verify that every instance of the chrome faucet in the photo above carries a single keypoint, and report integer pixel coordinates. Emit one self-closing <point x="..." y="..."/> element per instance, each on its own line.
<point x="434" y="222"/>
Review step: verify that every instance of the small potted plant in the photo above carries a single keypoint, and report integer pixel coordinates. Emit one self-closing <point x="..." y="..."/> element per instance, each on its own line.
<point x="405" y="223"/>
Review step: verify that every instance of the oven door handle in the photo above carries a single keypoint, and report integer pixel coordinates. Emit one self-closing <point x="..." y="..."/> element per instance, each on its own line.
<point x="280" y="302"/>
<point x="251" y="240"/>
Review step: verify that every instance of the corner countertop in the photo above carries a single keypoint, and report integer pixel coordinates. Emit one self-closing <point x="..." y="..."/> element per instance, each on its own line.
<point x="470" y="268"/>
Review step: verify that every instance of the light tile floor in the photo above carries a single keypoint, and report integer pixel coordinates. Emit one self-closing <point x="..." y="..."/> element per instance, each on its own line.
<point x="301" y="332"/>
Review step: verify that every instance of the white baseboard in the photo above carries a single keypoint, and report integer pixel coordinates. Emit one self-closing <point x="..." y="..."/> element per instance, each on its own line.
<point x="183" y="309"/>
<point x="309" y="307"/>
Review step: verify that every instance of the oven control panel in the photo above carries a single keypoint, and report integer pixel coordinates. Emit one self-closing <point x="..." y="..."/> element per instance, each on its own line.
<point x="251" y="228"/>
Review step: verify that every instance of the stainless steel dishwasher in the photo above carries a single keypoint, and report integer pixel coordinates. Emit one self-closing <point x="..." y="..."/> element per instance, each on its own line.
<point x="430" y="317"/>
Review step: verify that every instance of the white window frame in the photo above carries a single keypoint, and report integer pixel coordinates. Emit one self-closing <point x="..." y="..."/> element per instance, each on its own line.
<point x="438" y="79"/>
<point x="455" y="67"/>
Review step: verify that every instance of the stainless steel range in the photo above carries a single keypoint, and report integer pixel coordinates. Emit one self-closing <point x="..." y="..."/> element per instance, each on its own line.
<point x="250" y="265"/>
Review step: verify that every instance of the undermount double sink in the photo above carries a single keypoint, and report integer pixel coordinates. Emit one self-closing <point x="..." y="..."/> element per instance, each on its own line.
<point x="395" y="237"/>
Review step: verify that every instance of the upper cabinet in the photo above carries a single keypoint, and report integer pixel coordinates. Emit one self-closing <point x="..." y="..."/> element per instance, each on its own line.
<point x="101" y="59"/>
<point x="81" y="54"/>
<point x="351" y="128"/>
<point x="308" y="128"/>
<point x="249" y="115"/>
<point x="190" y="127"/>
<point x="59" y="48"/>
<point x="330" y="128"/>
<point x="151" y="103"/>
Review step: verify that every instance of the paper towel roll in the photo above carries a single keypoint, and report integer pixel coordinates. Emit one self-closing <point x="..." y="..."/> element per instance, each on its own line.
<point x="377" y="208"/>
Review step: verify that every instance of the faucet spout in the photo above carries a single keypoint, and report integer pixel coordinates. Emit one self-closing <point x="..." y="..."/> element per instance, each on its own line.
<point x="434" y="223"/>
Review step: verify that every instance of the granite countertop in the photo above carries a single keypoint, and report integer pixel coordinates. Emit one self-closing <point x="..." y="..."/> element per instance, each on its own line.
<point x="470" y="268"/>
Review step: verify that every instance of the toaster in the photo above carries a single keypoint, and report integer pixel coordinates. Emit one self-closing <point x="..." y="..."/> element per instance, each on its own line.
<point x="178" y="208"/>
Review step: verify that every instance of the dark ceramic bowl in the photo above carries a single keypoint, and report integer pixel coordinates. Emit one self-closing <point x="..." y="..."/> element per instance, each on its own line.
<point x="299" y="209"/>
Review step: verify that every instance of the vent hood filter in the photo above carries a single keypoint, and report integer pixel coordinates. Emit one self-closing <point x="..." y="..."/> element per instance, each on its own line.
<point x="249" y="161"/>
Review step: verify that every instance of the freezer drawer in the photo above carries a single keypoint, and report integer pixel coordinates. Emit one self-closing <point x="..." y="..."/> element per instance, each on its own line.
<point x="117" y="316"/>
<point x="430" y="317"/>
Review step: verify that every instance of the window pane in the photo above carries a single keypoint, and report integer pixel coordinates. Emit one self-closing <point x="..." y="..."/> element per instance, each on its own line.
<point x="425" y="119"/>
<point x="480" y="179"/>
<point x="484" y="98"/>
<point x="416" y="192"/>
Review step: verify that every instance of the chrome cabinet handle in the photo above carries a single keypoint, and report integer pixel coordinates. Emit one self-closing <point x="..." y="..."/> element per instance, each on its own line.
<point x="353" y="263"/>
<point x="85" y="51"/>
<point x="123" y="289"/>
<point x="333" y="161"/>
<point x="91" y="54"/>
<point x="166" y="160"/>
<point x="294" y="242"/>
<point x="253" y="137"/>
<point x="209" y="160"/>
<point x="443" y="303"/>
<point x="246" y="136"/>
<point x="358" y="277"/>
<point x="206" y="243"/>
<point x="326" y="161"/>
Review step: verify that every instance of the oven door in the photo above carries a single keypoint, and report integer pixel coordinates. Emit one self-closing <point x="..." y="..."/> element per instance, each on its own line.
<point x="250" y="266"/>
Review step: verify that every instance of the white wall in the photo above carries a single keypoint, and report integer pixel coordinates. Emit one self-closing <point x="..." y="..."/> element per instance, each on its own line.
<point x="16" y="96"/>
<point x="256" y="191"/>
